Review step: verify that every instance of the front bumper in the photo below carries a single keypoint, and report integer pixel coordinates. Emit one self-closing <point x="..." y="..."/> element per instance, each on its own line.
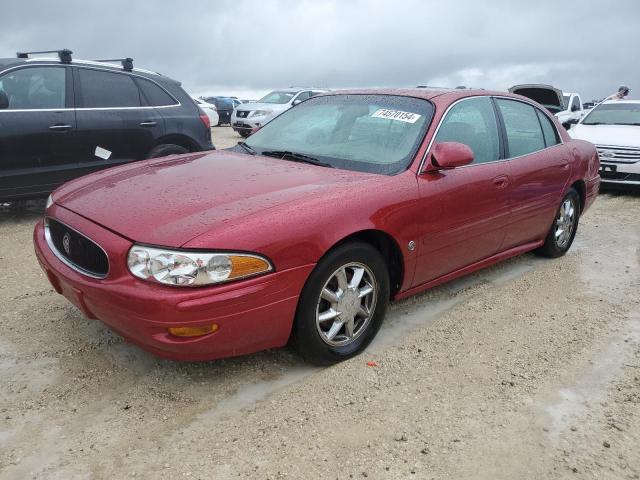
<point x="249" y="123"/>
<point x="620" y="173"/>
<point x="252" y="315"/>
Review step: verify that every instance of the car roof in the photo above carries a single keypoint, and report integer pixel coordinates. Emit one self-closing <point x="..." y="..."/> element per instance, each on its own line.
<point x="7" y="62"/>
<point x="426" y="93"/>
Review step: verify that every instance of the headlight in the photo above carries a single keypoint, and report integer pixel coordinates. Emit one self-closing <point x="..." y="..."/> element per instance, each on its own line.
<point x="49" y="202"/>
<point x="260" y="113"/>
<point x="187" y="268"/>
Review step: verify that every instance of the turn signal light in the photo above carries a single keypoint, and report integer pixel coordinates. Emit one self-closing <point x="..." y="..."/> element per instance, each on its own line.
<point x="246" y="266"/>
<point x="193" y="331"/>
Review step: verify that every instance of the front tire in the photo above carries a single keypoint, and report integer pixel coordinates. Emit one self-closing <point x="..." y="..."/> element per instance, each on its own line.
<point x="342" y="305"/>
<point x="166" y="149"/>
<point x="564" y="227"/>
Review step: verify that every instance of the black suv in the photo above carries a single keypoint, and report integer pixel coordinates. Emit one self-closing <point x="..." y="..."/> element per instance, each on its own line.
<point x="63" y="118"/>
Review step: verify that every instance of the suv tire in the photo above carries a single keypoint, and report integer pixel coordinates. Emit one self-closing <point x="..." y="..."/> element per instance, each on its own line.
<point x="166" y="149"/>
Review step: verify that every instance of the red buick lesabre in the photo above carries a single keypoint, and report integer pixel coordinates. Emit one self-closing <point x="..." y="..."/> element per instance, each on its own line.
<point x="308" y="229"/>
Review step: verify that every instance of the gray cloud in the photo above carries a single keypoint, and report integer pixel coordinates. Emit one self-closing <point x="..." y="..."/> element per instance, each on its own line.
<point x="253" y="46"/>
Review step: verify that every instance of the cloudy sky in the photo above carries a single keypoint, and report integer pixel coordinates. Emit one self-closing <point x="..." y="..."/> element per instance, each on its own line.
<point x="249" y="47"/>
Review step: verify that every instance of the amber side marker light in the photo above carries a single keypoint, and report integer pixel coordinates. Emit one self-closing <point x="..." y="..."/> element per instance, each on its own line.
<point x="194" y="331"/>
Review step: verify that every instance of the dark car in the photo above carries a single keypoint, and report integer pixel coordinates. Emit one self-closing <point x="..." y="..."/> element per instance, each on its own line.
<point x="63" y="118"/>
<point x="225" y="106"/>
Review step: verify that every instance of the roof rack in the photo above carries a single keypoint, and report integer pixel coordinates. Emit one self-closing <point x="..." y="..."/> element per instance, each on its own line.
<point x="64" y="55"/>
<point x="127" y="63"/>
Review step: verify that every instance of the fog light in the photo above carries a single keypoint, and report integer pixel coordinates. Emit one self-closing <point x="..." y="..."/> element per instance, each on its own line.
<point x="193" y="331"/>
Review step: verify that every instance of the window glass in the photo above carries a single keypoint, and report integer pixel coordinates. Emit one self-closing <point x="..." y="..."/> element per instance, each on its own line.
<point x="102" y="89"/>
<point x="473" y="122"/>
<point x="277" y="97"/>
<point x="524" y="134"/>
<point x="615" y="113"/>
<point x="575" y="105"/>
<point x="369" y="133"/>
<point x="153" y="94"/>
<point x="303" y="96"/>
<point x="35" y="88"/>
<point x="551" y="136"/>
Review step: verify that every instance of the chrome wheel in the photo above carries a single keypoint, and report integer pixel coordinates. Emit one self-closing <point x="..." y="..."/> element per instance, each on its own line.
<point x="565" y="223"/>
<point x="346" y="304"/>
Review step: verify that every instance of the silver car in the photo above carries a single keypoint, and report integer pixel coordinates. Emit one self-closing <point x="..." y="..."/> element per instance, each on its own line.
<point x="249" y="116"/>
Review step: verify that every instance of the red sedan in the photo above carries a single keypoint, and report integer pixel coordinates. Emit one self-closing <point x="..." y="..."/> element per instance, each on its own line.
<point x="308" y="229"/>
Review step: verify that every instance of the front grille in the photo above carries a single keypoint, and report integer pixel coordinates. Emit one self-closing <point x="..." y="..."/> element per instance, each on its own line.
<point x="615" y="154"/>
<point x="76" y="250"/>
<point x="242" y="113"/>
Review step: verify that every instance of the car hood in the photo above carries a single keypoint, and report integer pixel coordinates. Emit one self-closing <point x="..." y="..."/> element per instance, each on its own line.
<point x="614" y="135"/>
<point x="170" y="201"/>
<point x="546" y="95"/>
<point x="276" y="107"/>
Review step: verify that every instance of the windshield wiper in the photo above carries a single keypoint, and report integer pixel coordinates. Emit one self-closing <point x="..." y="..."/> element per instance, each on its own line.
<point x="296" y="157"/>
<point x="247" y="148"/>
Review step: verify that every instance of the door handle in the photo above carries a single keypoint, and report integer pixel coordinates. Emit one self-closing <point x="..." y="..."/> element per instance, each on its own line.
<point x="148" y="123"/>
<point x="59" y="127"/>
<point x="501" y="181"/>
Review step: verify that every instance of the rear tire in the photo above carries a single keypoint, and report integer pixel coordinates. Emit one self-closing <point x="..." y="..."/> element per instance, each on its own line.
<point x="166" y="149"/>
<point x="564" y="227"/>
<point x="342" y="304"/>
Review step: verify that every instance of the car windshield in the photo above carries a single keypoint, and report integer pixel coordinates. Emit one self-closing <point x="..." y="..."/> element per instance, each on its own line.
<point x="277" y="97"/>
<point x="368" y="133"/>
<point x="614" y="114"/>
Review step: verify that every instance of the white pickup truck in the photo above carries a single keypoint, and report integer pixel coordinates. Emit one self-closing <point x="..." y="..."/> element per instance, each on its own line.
<point x="566" y="106"/>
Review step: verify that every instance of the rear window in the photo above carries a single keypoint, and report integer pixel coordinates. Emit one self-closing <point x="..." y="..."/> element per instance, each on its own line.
<point x="102" y="89"/>
<point x="154" y="95"/>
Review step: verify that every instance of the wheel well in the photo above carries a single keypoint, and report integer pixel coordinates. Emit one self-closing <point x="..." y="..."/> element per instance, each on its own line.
<point x="181" y="140"/>
<point x="388" y="248"/>
<point x="581" y="188"/>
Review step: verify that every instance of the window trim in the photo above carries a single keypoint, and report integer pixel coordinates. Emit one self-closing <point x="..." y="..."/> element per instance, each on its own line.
<point x="500" y="125"/>
<point x="69" y="100"/>
<point x="73" y="107"/>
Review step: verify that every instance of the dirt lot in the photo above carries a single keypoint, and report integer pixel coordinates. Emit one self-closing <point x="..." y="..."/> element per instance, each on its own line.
<point x="527" y="370"/>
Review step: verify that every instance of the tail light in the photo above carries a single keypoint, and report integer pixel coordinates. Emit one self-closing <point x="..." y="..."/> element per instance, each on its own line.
<point x="205" y="119"/>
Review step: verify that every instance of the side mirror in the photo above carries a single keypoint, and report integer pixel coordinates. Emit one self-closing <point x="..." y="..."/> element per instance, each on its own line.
<point x="446" y="155"/>
<point x="569" y="123"/>
<point x="4" y="100"/>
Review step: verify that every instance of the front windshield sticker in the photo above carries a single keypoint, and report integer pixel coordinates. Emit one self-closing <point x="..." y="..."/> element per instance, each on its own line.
<point x="398" y="115"/>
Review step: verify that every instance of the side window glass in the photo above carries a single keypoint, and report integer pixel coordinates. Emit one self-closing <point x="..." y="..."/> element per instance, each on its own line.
<point x="153" y="94"/>
<point x="102" y="89"/>
<point x="524" y="134"/>
<point x="551" y="136"/>
<point x="303" y="96"/>
<point x="473" y="122"/>
<point x="35" y="88"/>
<point x="575" y="105"/>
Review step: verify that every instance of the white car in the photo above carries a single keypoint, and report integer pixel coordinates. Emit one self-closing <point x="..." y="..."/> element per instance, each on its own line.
<point x="249" y="116"/>
<point x="567" y="107"/>
<point x="210" y="110"/>
<point x="614" y="128"/>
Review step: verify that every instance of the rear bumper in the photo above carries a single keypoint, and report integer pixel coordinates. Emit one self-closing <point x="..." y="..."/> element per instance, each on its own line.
<point x="252" y="315"/>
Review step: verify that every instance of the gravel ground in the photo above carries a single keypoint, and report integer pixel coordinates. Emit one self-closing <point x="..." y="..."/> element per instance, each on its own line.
<point x="527" y="370"/>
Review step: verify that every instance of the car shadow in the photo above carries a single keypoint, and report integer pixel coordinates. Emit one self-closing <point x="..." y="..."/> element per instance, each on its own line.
<point x="21" y="211"/>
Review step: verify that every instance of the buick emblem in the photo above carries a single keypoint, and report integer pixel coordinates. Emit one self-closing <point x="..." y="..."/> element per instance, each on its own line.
<point x="66" y="243"/>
